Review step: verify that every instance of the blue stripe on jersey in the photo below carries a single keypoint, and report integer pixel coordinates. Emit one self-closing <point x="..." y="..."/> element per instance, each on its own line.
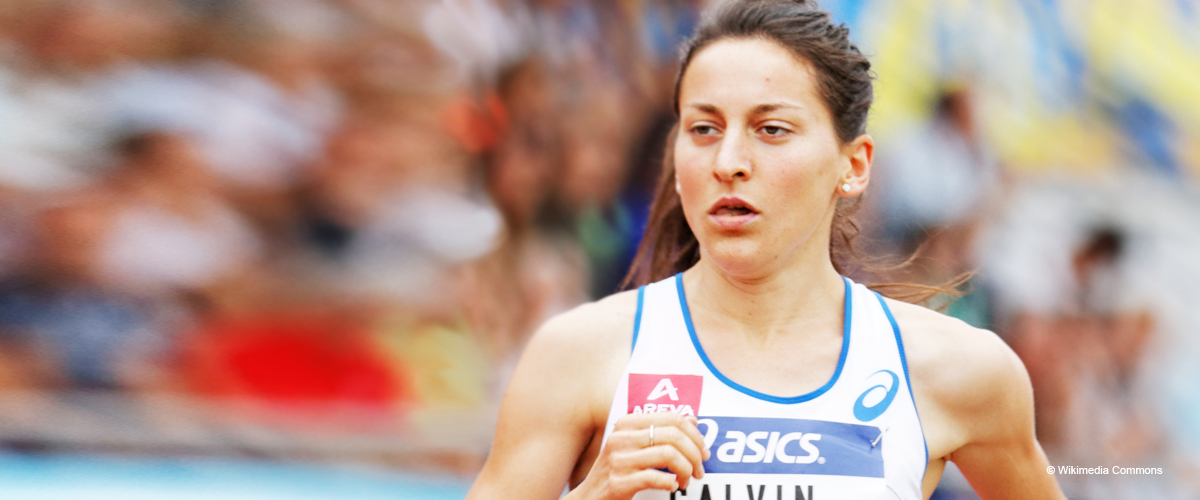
<point x="637" y="318"/>
<point x="907" y="378"/>
<point x="791" y="446"/>
<point x="687" y="317"/>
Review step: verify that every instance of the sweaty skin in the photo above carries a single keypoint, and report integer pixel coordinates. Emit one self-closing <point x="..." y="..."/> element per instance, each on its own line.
<point x="752" y="126"/>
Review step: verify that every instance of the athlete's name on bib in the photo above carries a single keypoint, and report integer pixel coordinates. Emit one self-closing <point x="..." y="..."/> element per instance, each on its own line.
<point x="707" y="494"/>
<point x="655" y="393"/>
<point x="791" y="446"/>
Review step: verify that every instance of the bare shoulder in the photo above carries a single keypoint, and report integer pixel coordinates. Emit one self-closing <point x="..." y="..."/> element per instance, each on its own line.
<point x="557" y="399"/>
<point x="962" y="376"/>
<point x="576" y="356"/>
<point x="591" y="343"/>
<point x="940" y="344"/>
<point x="592" y="328"/>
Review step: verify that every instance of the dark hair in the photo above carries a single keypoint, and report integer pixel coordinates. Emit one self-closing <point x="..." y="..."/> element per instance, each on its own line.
<point x="843" y="73"/>
<point x="844" y="84"/>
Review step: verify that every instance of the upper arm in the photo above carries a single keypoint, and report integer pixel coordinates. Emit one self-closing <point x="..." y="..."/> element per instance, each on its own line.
<point x="976" y="405"/>
<point x="1001" y="457"/>
<point x="547" y="417"/>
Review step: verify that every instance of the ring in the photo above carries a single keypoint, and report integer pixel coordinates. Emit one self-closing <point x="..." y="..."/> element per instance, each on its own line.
<point x="651" y="434"/>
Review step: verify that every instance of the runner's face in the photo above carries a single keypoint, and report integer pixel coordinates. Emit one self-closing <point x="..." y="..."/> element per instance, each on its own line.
<point x="757" y="159"/>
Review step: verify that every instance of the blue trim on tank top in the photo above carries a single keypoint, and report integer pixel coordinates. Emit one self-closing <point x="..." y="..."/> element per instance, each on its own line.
<point x="637" y="319"/>
<point x="904" y="364"/>
<point x="687" y="317"/>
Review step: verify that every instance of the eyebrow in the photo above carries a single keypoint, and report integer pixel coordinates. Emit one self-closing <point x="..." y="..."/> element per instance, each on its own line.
<point x="766" y="108"/>
<point x="761" y="108"/>
<point x="706" y="108"/>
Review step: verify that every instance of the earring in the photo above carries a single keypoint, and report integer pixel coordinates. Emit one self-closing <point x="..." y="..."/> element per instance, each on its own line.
<point x="845" y="187"/>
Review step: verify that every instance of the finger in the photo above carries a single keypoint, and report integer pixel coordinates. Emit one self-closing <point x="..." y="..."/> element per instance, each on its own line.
<point x="649" y="479"/>
<point x="662" y="456"/>
<point x="643" y="420"/>
<point x="682" y="440"/>
<point x="693" y="431"/>
<point x="630" y="441"/>
<point x="686" y="424"/>
<point x="634" y="439"/>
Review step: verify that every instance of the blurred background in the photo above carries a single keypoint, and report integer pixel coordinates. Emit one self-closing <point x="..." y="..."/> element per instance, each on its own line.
<point x="292" y="248"/>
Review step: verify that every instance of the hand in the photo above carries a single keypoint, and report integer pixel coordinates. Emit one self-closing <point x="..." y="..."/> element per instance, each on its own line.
<point x="629" y="460"/>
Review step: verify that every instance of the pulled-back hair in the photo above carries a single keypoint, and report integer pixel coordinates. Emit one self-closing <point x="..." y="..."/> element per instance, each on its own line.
<point x="843" y="73"/>
<point x="843" y="76"/>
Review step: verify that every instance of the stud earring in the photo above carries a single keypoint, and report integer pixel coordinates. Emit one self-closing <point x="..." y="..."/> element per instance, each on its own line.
<point x="845" y="187"/>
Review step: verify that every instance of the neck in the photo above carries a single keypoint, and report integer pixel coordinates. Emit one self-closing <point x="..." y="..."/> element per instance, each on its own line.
<point x="801" y="300"/>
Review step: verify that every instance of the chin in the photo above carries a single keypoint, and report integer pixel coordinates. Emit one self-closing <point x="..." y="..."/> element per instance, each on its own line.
<point x="737" y="256"/>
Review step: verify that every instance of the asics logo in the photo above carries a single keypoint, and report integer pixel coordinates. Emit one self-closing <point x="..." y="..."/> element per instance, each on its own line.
<point x="868" y="413"/>
<point x="734" y="448"/>
<point x="747" y="445"/>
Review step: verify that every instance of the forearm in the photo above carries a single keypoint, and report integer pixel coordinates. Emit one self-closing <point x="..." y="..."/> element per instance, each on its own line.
<point x="501" y="482"/>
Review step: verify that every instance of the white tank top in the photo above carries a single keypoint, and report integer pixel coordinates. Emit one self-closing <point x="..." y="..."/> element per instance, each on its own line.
<point x="858" y="436"/>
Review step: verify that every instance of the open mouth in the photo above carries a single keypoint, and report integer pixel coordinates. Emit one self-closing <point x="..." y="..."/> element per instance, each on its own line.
<point x="733" y="211"/>
<point x="732" y="207"/>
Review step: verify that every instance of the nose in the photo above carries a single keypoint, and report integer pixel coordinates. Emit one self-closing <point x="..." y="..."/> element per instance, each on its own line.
<point x="733" y="158"/>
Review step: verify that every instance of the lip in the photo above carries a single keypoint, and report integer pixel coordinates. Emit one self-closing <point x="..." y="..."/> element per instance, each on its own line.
<point x="730" y="221"/>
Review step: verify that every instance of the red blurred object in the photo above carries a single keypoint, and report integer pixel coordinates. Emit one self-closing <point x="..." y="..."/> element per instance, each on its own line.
<point x="297" y="360"/>
<point x="477" y="126"/>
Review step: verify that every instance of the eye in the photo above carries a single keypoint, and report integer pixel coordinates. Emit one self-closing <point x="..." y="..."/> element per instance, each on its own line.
<point x="704" y="129"/>
<point x="773" y="130"/>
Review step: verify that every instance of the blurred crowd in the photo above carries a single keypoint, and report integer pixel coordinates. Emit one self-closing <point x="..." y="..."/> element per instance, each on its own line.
<point x="371" y="204"/>
<point x="317" y="205"/>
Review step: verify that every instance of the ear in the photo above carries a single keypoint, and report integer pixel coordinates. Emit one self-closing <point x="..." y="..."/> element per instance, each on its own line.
<point x="856" y="171"/>
<point x="678" y="186"/>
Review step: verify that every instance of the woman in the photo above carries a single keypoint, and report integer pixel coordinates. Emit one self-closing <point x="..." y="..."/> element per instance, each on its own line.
<point x="759" y="368"/>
